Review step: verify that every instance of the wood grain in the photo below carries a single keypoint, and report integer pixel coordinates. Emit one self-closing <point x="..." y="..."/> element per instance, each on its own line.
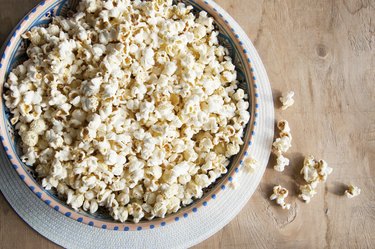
<point x="324" y="50"/>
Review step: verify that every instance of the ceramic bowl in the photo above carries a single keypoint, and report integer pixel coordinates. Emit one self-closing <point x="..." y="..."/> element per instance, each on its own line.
<point x="13" y="53"/>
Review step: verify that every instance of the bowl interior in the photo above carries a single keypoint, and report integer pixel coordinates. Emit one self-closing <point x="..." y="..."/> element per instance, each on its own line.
<point x="15" y="53"/>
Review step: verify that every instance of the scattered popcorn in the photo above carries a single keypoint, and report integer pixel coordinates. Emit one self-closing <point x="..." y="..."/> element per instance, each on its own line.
<point x="283" y="126"/>
<point x="282" y="145"/>
<point x="287" y="100"/>
<point x="352" y="191"/>
<point x="279" y="194"/>
<point x="133" y="106"/>
<point x="250" y="164"/>
<point x="281" y="162"/>
<point x="307" y="192"/>
<point x="313" y="172"/>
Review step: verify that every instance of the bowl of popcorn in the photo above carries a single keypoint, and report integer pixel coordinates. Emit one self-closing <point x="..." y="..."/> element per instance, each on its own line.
<point x="123" y="114"/>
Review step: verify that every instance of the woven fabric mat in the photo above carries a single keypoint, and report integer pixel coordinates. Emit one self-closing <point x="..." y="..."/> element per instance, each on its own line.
<point x="182" y="234"/>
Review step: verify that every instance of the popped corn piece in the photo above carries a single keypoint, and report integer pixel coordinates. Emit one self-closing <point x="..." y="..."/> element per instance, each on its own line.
<point x="323" y="170"/>
<point x="287" y="100"/>
<point x="282" y="144"/>
<point x="279" y="194"/>
<point x="136" y="115"/>
<point x="308" y="170"/>
<point x="314" y="172"/>
<point x="283" y="126"/>
<point x="30" y="138"/>
<point x="76" y="201"/>
<point x="281" y="162"/>
<point x="250" y="164"/>
<point x="29" y="157"/>
<point x="120" y="213"/>
<point x="93" y="206"/>
<point x="38" y="126"/>
<point x="352" y="191"/>
<point x="307" y="192"/>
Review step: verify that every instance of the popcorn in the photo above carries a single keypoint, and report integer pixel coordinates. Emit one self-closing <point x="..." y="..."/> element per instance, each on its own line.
<point x="281" y="162"/>
<point x="307" y="192"/>
<point x="136" y="115"/>
<point x="323" y="170"/>
<point x="283" y="126"/>
<point x="287" y="100"/>
<point x="279" y="194"/>
<point x="313" y="172"/>
<point x="29" y="157"/>
<point x="120" y="213"/>
<point x="202" y="180"/>
<point x="30" y="138"/>
<point x="160" y="209"/>
<point x="76" y="201"/>
<point x="352" y="191"/>
<point x="282" y="145"/>
<point x="250" y="164"/>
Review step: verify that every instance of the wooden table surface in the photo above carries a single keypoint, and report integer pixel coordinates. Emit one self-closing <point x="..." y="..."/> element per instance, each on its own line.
<point x="324" y="50"/>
